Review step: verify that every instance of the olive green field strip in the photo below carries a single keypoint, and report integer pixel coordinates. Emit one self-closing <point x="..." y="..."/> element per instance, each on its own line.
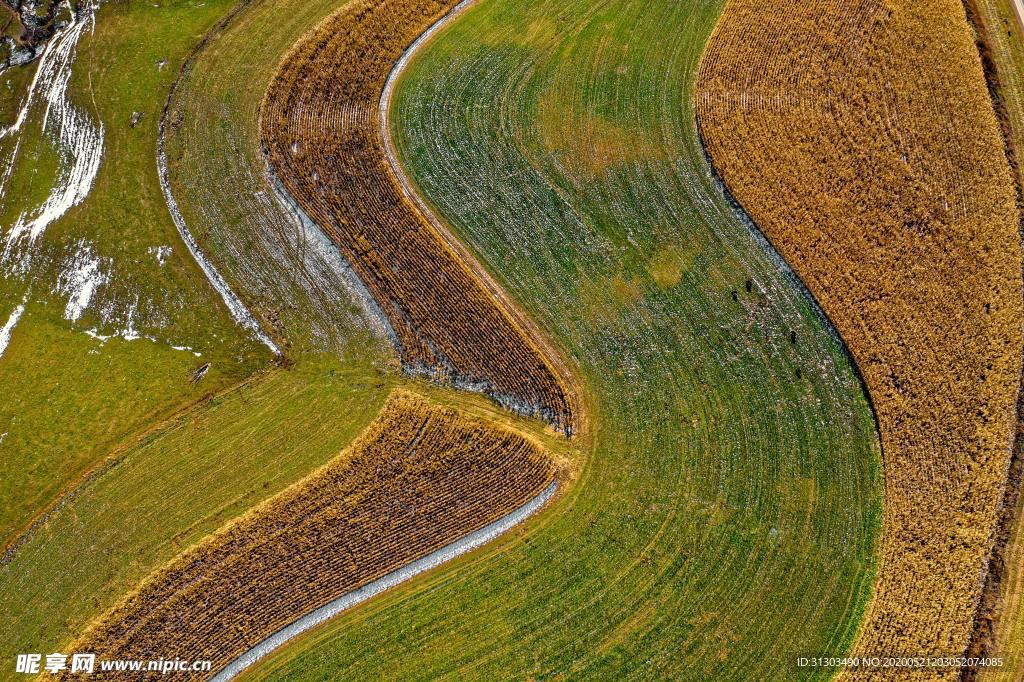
<point x="322" y="134"/>
<point x="862" y="139"/>
<point x="420" y="477"/>
<point x="726" y="518"/>
<point x="157" y="497"/>
<point x="76" y="389"/>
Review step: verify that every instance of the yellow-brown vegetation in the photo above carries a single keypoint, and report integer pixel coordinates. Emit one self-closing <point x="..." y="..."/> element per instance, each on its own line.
<point x="420" y="477"/>
<point x="861" y="138"/>
<point x="320" y="125"/>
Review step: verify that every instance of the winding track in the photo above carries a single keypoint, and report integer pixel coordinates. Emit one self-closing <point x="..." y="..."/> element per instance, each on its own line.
<point x="471" y="541"/>
<point x="476" y="539"/>
<point x="323" y="139"/>
<point x="708" y="454"/>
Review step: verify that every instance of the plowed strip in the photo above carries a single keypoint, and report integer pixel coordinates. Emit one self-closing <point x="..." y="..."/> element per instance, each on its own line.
<point x="320" y="125"/>
<point x="420" y="477"/>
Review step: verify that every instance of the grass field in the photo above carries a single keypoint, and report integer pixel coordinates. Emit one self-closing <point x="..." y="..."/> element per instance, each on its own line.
<point x="147" y="501"/>
<point x="154" y="499"/>
<point x="73" y="396"/>
<point x="81" y="403"/>
<point x="728" y="515"/>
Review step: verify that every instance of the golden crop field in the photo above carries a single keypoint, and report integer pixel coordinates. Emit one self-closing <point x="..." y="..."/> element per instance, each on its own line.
<point x="891" y="196"/>
<point x="419" y="477"/>
<point x="324" y="141"/>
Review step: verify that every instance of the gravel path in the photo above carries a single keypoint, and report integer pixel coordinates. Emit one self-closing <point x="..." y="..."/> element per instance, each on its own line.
<point x="432" y="560"/>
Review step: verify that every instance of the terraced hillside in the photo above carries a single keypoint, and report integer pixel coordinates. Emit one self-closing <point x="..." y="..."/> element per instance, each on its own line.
<point x="734" y="468"/>
<point x="418" y="478"/>
<point x="323" y="138"/>
<point x="861" y="137"/>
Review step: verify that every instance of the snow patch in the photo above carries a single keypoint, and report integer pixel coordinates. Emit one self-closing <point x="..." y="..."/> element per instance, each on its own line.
<point x="162" y="253"/>
<point x="133" y="336"/>
<point x="80" y="281"/>
<point x="8" y="328"/>
<point x="79" y="139"/>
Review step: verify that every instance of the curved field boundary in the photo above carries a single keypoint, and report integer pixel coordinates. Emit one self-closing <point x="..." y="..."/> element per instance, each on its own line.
<point x="551" y="353"/>
<point x="234" y="304"/>
<point x="292" y="276"/>
<point x="420" y="478"/>
<point x="433" y="560"/>
<point x="734" y="470"/>
<point x="861" y="138"/>
<point x="241" y="314"/>
<point x="323" y="138"/>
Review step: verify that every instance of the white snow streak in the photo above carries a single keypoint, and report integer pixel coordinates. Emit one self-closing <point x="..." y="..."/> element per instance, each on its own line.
<point x="79" y="139"/>
<point x="129" y="335"/>
<point x="8" y="329"/>
<point x="80" y="281"/>
<point x="238" y="311"/>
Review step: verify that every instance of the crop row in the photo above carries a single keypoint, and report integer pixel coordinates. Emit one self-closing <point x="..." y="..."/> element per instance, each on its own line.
<point x="420" y="477"/>
<point x="861" y="138"/>
<point x="320" y="125"/>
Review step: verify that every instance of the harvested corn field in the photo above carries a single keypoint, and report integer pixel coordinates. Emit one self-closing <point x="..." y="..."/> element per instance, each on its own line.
<point x="321" y="128"/>
<point x="420" y="477"/>
<point x="861" y="138"/>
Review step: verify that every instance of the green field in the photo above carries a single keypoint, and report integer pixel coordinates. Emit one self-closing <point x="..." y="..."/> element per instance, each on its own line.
<point x="73" y="398"/>
<point x="726" y="513"/>
<point x="159" y="496"/>
<point x="727" y="518"/>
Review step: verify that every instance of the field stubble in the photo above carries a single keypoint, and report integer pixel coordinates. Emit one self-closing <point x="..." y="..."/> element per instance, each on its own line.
<point x="861" y="138"/>
<point x="420" y="477"/>
<point x="324" y="142"/>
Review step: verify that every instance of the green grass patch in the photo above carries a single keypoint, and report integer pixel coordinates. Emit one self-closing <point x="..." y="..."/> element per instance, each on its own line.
<point x="73" y="397"/>
<point x="162" y="494"/>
